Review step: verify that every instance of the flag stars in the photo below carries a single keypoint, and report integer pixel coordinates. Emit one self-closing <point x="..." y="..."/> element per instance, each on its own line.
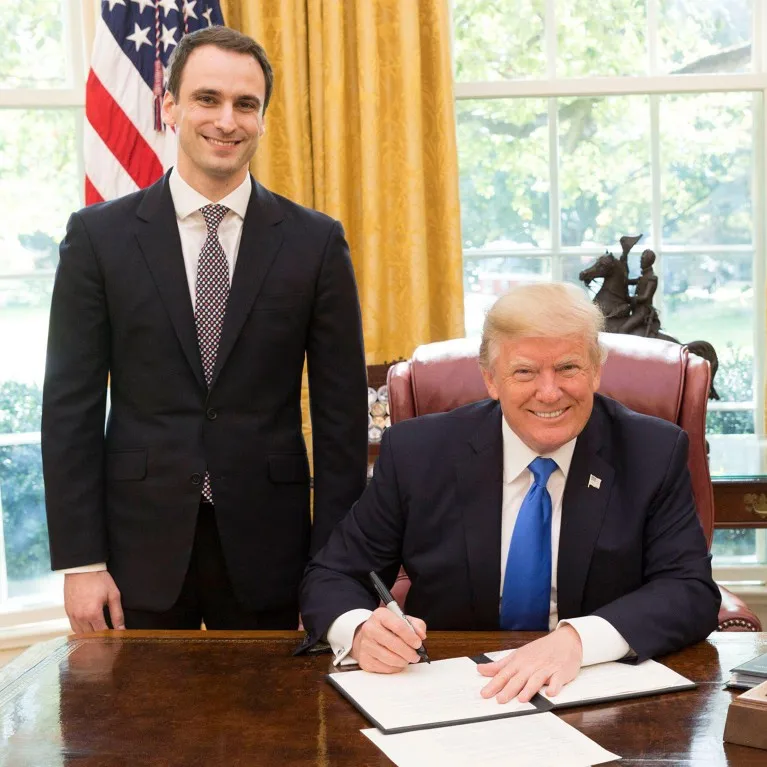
<point x="168" y="5"/>
<point x="139" y="36"/>
<point x="113" y="3"/>
<point x="189" y="9"/>
<point x="207" y="15"/>
<point x="168" y="37"/>
<point x="142" y="4"/>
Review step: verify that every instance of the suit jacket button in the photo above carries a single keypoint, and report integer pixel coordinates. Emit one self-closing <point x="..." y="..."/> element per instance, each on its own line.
<point x="196" y="478"/>
<point x="211" y="414"/>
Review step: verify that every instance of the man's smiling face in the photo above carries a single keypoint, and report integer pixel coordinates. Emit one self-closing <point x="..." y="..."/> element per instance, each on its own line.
<point x="546" y="388"/>
<point x="218" y="116"/>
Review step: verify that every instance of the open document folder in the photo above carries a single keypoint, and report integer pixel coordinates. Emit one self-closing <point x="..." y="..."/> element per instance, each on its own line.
<point x="426" y="695"/>
<point x="448" y="692"/>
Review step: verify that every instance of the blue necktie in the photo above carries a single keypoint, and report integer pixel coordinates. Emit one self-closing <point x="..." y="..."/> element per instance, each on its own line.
<point x="527" y="583"/>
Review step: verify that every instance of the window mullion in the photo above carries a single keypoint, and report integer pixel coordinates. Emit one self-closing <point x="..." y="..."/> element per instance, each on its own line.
<point x="554" y="205"/>
<point x="551" y="38"/>
<point x="652" y="37"/>
<point x="553" y="106"/>
<point x="759" y="238"/>
<point x="612" y="86"/>
<point x="656" y="216"/>
<point x="73" y="24"/>
<point x="758" y="34"/>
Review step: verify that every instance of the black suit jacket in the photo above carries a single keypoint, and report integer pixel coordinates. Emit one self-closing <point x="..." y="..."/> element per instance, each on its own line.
<point x="121" y="309"/>
<point x="632" y="551"/>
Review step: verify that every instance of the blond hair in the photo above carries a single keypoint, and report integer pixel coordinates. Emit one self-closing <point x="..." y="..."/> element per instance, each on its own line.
<point x="543" y="309"/>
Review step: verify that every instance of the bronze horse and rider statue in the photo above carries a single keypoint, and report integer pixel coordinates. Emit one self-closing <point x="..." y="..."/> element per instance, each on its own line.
<point x="635" y="314"/>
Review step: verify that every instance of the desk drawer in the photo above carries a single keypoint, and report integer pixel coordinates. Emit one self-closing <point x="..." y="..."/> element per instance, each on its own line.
<point x="738" y="504"/>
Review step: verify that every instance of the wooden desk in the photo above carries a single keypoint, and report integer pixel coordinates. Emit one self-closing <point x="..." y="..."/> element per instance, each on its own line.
<point x="738" y="464"/>
<point x="214" y="698"/>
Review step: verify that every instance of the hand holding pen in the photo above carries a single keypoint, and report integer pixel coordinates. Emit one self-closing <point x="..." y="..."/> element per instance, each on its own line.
<point x="390" y="603"/>
<point x="388" y="641"/>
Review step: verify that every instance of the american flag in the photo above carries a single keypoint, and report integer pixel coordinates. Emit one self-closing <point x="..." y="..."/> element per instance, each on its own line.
<point x="126" y="147"/>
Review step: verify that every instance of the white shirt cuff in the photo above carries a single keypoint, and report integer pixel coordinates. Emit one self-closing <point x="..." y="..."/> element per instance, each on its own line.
<point x="340" y="635"/>
<point x="600" y="640"/>
<point x="95" y="568"/>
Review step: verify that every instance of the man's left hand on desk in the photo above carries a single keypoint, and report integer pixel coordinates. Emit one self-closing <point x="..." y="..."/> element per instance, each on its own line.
<point x="553" y="660"/>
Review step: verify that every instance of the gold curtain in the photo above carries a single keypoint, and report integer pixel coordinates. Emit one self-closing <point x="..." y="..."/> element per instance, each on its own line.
<point x="361" y="126"/>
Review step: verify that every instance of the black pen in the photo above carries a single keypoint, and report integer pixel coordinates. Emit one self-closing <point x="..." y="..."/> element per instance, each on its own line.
<point x="391" y="604"/>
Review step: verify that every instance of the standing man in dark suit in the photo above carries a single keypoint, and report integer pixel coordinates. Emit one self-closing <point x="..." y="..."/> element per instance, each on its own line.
<point x="198" y="299"/>
<point x="547" y="507"/>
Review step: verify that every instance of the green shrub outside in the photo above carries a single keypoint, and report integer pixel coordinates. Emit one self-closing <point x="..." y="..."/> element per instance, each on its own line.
<point x="21" y="484"/>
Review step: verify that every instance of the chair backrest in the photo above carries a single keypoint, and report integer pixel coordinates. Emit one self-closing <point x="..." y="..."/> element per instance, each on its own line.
<point x="648" y="375"/>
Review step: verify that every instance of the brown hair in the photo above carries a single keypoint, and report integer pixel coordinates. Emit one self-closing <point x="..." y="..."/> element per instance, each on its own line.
<point x="546" y="310"/>
<point x="220" y="37"/>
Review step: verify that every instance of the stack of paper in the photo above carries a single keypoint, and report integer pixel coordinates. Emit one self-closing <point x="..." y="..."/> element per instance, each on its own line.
<point x="532" y="741"/>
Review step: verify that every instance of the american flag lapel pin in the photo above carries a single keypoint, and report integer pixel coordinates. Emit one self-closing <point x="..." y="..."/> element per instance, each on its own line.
<point x="594" y="482"/>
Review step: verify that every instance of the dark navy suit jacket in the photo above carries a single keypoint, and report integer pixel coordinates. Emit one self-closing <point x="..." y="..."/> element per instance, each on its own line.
<point x="631" y="551"/>
<point x="129" y="496"/>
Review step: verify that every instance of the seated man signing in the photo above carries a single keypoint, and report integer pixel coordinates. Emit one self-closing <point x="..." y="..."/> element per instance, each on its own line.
<point x="546" y="507"/>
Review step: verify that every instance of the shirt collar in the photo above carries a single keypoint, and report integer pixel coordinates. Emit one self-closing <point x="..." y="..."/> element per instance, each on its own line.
<point x="517" y="455"/>
<point x="187" y="200"/>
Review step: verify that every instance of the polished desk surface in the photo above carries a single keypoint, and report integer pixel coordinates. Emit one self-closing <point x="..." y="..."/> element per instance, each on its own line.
<point x="213" y="698"/>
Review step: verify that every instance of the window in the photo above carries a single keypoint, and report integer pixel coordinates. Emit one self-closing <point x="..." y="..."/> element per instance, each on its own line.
<point x="583" y="120"/>
<point x="42" y="87"/>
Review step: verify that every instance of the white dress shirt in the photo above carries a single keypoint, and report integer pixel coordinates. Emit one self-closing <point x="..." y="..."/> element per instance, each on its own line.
<point x="193" y="231"/>
<point x="600" y="640"/>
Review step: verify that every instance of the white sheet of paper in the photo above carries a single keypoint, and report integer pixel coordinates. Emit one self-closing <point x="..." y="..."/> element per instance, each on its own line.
<point x="606" y="680"/>
<point x="542" y="740"/>
<point x="442" y="691"/>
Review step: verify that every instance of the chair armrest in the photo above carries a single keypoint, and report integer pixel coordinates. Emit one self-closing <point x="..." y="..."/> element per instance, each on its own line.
<point x="734" y="615"/>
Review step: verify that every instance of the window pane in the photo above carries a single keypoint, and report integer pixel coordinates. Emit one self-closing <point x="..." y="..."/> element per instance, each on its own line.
<point x="601" y="37"/>
<point x="736" y="546"/>
<point x="730" y="421"/>
<point x="707" y="162"/>
<point x="24" y="307"/>
<point x="503" y="152"/>
<point x="25" y="571"/>
<point x="32" y="48"/>
<point x="24" y="531"/>
<point x="39" y="185"/>
<point x="604" y="151"/>
<point x="498" y="40"/>
<point x="710" y="297"/>
<point x="487" y="278"/>
<point x="710" y="37"/>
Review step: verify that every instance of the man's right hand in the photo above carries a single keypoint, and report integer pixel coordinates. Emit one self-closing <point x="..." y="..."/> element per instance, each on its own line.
<point x="85" y="595"/>
<point x="385" y="644"/>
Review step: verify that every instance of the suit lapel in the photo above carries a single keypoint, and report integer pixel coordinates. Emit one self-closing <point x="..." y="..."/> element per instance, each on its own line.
<point x="479" y="491"/>
<point x="583" y="510"/>
<point x="259" y="245"/>
<point x="160" y="244"/>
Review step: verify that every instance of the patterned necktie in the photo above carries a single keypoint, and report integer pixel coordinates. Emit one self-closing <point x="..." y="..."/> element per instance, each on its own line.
<point x="211" y="295"/>
<point x="527" y="583"/>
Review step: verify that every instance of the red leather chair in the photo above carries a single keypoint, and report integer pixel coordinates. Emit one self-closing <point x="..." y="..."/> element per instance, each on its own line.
<point x="650" y="376"/>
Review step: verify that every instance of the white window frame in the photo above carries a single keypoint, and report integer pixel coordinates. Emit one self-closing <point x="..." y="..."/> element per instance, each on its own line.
<point x="78" y="33"/>
<point x="752" y="577"/>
